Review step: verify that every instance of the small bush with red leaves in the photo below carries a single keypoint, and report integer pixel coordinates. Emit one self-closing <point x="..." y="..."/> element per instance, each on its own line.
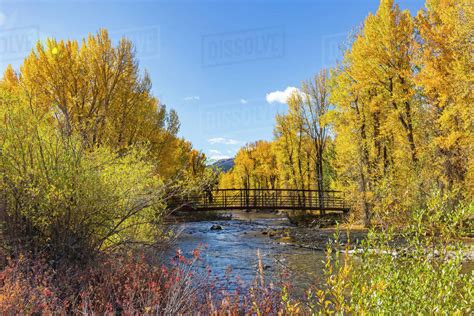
<point x="125" y="284"/>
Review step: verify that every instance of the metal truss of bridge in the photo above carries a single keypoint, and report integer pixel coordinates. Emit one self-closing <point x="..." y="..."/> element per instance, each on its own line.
<point x="264" y="199"/>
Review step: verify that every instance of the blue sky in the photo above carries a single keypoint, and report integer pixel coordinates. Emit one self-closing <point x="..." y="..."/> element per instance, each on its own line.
<point x="224" y="66"/>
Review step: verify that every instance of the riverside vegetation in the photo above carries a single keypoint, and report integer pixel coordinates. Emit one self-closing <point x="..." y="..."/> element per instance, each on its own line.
<point x="89" y="160"/>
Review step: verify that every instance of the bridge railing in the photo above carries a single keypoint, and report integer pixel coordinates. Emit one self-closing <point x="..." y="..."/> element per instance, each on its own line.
<point x="267" y="199"/>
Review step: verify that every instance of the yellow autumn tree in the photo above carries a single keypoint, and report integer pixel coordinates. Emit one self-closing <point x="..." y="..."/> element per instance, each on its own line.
<point x="255" y="167"/>
<point x="293" y="147"/>
<point x="378" y="114"/>
<point x="446" y="78"/>
<point x="97" y="91"/>
<point x="89" y="157"/>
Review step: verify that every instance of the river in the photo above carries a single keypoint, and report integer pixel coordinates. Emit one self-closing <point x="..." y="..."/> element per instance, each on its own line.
<point x="234" y="248"/>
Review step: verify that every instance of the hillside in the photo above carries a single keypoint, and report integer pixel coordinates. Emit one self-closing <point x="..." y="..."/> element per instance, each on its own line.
<point x="223" y="164"/>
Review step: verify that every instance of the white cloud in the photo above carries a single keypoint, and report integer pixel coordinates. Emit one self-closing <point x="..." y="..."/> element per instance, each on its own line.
<point x="223" y="140"/>
<point x="218" y="157"/>
<point x="243" y="101"/>
<point x="215" y="154"/>
<point x="192" y="98"/>
<point x="281" y="96"/>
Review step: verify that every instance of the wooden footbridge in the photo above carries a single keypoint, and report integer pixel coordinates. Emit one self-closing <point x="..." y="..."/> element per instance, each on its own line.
<point x="264" y="199"/>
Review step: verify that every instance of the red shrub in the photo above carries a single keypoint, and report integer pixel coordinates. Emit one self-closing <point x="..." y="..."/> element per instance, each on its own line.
<point x="126" y="284"/>
<point x="114" y="284"/>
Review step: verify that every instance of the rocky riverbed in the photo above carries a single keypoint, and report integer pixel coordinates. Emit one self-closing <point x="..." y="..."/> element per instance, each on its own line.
<point x="232" y="245"/>
<point x="315" y="238"/>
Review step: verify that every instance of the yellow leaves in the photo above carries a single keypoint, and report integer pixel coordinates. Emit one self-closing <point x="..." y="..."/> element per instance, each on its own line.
<point x="446" y="80"/>
<point x="450" y="141"/>
<point x="59" y="185"/>
<point x="96" y="90"/>
<point x="10" y="79"/>
<point x="289" y="307"/>
<point x="379" y="110"/>
<point x="255" y="167"/>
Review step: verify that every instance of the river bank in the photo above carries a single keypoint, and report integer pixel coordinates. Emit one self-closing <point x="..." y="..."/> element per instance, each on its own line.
<point x="316" y="238"/>
<point x="232" y="242"/>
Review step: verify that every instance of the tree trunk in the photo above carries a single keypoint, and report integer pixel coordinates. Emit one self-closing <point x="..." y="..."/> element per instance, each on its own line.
<point x="320" y="180"/>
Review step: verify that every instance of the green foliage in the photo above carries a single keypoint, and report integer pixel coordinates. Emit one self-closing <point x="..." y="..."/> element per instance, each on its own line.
<point x="61" y="197"/>
<point x="415" y="271"/>
<point x="84" y="161"/>
<point x="413" y="280"/>
<point x="332" y="297"/>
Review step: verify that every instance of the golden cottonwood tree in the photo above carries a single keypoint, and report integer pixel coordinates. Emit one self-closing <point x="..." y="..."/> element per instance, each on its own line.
<point x="313" y="110"/>
<point x="309" y="109"/>
<point x="96" y="90"/>
<point x="293" y="154"/>
<point x="378" y="111"/>
<point x="446" y="78"/>
<point x="403" y="115"/>
<point x="89" y="158"/>
<point x="297" y="157"/>
<point x="255" y="168"/>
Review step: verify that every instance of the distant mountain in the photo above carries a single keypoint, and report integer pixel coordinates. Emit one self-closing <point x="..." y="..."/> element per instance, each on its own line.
<point x="224" y="164"/>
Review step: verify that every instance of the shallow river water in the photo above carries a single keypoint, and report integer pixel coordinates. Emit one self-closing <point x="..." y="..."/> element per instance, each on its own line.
<point x="235" y="248"/>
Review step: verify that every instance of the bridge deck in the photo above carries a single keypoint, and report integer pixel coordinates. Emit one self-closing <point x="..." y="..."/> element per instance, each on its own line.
<point x="264" y="199"/>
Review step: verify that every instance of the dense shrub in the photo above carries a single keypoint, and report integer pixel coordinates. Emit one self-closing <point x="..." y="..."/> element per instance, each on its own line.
<point x="130" y="284"/>
<point x="417" y="270"/>
<point x="123" y="283"/>
<point x="60" y="198"/>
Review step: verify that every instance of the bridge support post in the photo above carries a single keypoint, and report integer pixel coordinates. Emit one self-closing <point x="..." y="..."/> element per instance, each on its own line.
<point x="322" y="210"/>
<point x="225" y="199"/>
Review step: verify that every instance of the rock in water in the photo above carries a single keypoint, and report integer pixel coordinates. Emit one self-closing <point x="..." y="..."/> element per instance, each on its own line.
<point x="216" y="227"/>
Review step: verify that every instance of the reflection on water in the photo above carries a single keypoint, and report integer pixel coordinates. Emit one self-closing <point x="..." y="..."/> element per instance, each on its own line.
<point x="235" y="247"/>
